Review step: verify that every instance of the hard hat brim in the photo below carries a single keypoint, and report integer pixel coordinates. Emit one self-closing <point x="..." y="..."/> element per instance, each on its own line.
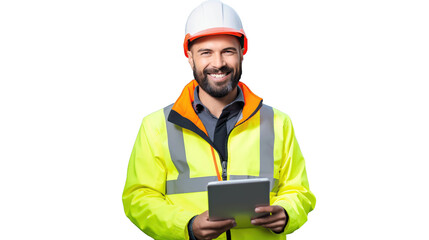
<point x="215" y="31"/>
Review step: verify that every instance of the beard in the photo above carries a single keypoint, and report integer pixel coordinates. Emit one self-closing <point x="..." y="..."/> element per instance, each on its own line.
<point x="216" y="90"/>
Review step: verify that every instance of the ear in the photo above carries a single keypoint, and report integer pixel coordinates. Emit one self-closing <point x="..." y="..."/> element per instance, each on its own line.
<point x="242" y="54"/>
<point x="190" y="60"/>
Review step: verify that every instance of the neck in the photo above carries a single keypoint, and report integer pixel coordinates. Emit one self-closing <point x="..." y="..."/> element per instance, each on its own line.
<point x="216" y="105"/>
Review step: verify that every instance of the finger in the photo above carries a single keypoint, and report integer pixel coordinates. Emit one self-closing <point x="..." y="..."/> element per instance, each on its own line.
<point x="219" y="225"/>
<point x="272" y="209"/>
<point x="264" y="209"/>
<point x="227" y="227"/>
<point x="273" y="225"/>
<point x="210" y="233"/>
<point x="272" y="217"/>
<point x="267" y="219"/>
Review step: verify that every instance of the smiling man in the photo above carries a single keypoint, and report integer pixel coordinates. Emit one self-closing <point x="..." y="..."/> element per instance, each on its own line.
<point x="216" y="62"/>
<point x="217" y="130"/>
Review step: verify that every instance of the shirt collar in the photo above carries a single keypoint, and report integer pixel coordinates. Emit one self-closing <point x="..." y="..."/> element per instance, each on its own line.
<point x="199" y="106"/>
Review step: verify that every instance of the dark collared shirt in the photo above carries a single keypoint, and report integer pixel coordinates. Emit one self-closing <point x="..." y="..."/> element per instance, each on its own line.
<point x="234" y="109"/>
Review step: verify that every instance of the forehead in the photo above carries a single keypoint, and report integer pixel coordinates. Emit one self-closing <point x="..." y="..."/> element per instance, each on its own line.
<point x="216" y="41"/>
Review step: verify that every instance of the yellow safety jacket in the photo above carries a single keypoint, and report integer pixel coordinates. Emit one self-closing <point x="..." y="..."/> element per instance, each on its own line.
<point x="173" y="159"/>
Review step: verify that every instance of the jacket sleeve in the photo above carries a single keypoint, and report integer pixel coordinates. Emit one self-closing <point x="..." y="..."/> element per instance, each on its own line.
<point x="144" y="198"/>
<point x="294" y="193"/>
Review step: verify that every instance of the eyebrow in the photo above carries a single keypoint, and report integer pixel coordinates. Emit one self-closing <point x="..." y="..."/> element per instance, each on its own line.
<point x="204" y="50"/>
<point x="230" y="48"/>
<point x="210" y="50"/>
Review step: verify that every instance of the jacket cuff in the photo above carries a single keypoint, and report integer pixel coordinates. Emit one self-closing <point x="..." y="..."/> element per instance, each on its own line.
<point x="190" y="230"/>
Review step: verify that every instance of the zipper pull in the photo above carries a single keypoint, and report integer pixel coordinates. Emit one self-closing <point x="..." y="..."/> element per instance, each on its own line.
<point x="224" y="171"/>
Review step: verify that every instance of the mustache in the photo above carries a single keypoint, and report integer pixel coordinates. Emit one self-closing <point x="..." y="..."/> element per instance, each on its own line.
<point x="223" y="69"/>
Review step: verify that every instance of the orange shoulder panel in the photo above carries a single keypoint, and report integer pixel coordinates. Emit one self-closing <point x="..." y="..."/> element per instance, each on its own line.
<point x="183" y="105"/>
<point x="251" y="102"/>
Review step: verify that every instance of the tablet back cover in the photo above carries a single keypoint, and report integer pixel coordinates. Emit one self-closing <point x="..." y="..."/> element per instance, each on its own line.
<point x="238" y="199"/>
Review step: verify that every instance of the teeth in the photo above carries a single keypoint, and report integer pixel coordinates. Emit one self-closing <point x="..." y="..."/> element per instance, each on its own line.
<point x="218" y="75"/>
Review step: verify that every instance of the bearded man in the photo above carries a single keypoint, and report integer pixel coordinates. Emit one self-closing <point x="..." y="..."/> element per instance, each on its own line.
<point x="217" y="130"/>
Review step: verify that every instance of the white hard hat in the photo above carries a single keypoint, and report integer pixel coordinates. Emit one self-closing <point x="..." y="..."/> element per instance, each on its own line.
<point x="213" y="17"/>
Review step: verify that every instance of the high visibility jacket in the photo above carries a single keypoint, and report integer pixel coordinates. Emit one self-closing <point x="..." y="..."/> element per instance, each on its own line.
<point x="173" y="159"/>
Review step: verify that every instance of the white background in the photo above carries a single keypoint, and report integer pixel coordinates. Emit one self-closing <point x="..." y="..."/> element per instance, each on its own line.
<point x="77" y="77"/>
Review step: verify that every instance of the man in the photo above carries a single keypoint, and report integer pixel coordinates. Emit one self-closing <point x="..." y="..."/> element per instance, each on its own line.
<point x="217" y="130"/>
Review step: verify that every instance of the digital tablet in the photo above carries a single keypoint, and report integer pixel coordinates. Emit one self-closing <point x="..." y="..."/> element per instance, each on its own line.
<point x="238" y="199"/>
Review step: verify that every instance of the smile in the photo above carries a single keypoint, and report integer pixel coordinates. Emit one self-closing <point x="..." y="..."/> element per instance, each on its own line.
<point x="218" y="75"/>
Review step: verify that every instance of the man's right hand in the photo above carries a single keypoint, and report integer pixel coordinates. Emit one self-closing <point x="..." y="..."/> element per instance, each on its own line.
<point x="204" y="229"/>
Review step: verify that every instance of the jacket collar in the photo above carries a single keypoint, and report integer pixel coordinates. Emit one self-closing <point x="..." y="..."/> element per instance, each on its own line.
<point x="183" y="106"/>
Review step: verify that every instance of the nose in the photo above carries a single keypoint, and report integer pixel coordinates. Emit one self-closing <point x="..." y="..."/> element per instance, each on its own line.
<point x="218" y="60"/>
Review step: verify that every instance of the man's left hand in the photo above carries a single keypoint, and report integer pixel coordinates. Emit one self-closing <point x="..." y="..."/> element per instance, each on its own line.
<point x="276" y="221"/>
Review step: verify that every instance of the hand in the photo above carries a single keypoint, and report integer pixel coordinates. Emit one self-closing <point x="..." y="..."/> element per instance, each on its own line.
<point x="204" y="229"/>
<point x="276" y="221"/>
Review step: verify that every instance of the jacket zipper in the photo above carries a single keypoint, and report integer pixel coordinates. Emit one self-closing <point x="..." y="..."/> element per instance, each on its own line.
<point x="224" y="162"/>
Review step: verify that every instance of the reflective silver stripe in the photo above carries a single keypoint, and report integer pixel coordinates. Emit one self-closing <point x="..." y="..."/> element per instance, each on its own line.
<point x="176" y="146"/>
<point x="266" y="167"/>
<point x="199" y="184"/>
<point x="185" y="184"/>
